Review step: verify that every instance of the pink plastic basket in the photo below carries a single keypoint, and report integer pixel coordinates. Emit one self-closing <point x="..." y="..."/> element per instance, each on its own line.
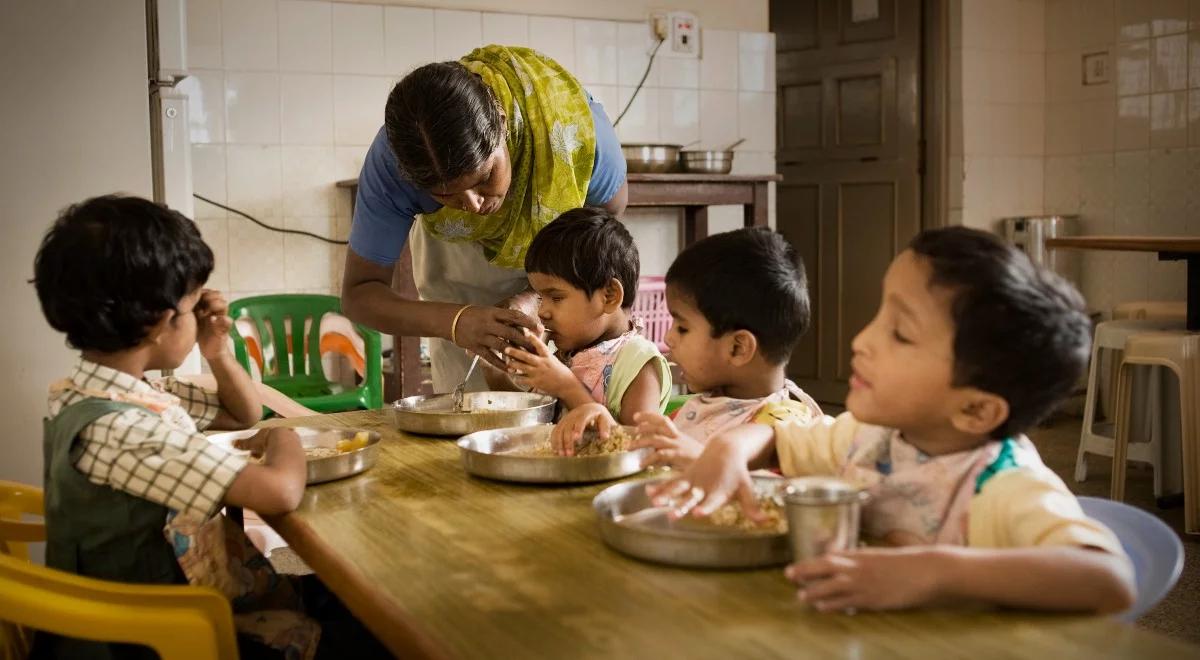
<point x="650" y="305"/>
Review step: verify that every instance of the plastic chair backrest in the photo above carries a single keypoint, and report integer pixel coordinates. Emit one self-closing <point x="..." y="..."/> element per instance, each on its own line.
<point x="176" y="621"/>
<point x="16" y="502"/>
<point x="1152" y="546"/>
<point x="650" y="305"/>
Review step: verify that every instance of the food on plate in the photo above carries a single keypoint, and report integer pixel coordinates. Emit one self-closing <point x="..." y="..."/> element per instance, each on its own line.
<point x="731" y="515"/>
<point x="590" y="445"/>
<point x="344" y="446"/>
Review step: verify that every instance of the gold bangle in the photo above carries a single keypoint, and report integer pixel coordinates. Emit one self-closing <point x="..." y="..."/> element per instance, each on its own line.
<point x="454" y="324"/>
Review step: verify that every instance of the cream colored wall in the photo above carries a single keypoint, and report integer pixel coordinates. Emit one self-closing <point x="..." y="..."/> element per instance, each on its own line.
<point x="716" y="14"/>
<point x="74" y="122"/>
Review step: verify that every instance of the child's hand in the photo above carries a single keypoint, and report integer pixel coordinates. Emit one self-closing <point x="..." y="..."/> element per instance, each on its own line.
<point x="718" y="475"/>
<point x="255" y="444"/>
<point x="671" y="446"/>
<point x="539" y="369"/>
<point x="569" y="431"/>
<point x="212" y="324"/>
<point x="868" y="579"/>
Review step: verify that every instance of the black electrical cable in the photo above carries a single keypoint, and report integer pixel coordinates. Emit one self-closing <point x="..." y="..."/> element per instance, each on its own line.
<point x="640" y="82"/>
<point x="298" y="232"/>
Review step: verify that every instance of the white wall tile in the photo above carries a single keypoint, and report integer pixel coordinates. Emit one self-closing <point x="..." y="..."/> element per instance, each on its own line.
<point x="1133" y="68"/>
<point x="954" y="182"/>
<point x="1031" y="27"/>
<point x="555" y="38"/>
<point x="1169" y="182"/>
<point x="1096" y="24"/>
<point x="1006" y="75"/>
<point x="1031" y="77"/>
<point x="254" y="180"/>
<point x="719" y="59"/>
<point x="250" y="34"/>
<point x="307" y="262"/>
<point x="1006" y="187"/>
<point x="1062" y="76"/>
<point x="308" y="181"/>
<point x="1168" y="120"/>
<point x="634" y="44"/>
<point x="1006" y="129"/>
<point x="251" y="108"/>
<point x="1133" y="19"/>
<point x="215" y="233"/>
<point x="978" y="187"/>
<point x="358" y="108"/>
<point x="641" y="121"/>
<point x="1169" y="71"/>
<point x="756" y="120"/>
<point x="753" y="162"/>
<point x="204" y="34"/>
<point x="1062" y="184"/>
<point x="596" y="52"/>
<point x="978" y="20"/>
<point x="1169" y="17"/>
<point x="1032" y="179"/>
<point x="456" y="33"/>
<point x="206" y="105"/>
<point x="658" y="230"/>
<point x="305" y="36"/>
<point x="348" y="162"/>
<point x="1131" y="174"/>
<point x="977" y="129"/>
<point x="208" y="178"/>
<point x="608" y="96"/>
<point x="1062" y="129"/>
<point x="306" y="108"/>
<point x="255" y="258"/>
<point x="1097" y="175"/>
<point x="679" y="73"/>
<point x="1006" y="29"/>
<point x="679" y="115"/>
<point x="1032" y="127"/>
<point x="1193" y="113"/>
<point x="976" y="76"/>
<point x="1062" y="20"/>
<point x="756" y="61"/>
<point x="1097" y="125"/>
<point x="506" y="29"/>
<point x="409" y="36"/>
<point x="1133" y="123"/>
<point x="358" y="39"/>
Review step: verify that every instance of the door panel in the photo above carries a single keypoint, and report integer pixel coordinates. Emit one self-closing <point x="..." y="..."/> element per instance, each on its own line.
<point x="848" y="148"/>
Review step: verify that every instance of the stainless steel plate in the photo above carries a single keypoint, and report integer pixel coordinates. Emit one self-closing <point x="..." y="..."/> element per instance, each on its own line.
<point x="434" y="414"/>
<point x="320" y="470"/>
<point x="654" y="537"/>
<point x="498" y="454"/>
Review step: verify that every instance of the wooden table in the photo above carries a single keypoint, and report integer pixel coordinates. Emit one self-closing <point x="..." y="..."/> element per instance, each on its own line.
<point x="493" y="570"/>
<point x="1169" y="248"/>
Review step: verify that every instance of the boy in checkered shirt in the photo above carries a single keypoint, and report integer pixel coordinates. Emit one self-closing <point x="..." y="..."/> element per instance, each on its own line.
<point x="133" y="489"/>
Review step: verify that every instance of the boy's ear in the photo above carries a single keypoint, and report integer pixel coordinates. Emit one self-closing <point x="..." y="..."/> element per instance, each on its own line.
<point x="613" y="295"/>
<point x="742" y="347"/>
<point x="155" y="333"/>
<point x="978" y="412"/>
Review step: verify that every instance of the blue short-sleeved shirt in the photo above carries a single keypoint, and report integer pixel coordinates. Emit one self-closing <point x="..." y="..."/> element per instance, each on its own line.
<point x="387" y="203"/>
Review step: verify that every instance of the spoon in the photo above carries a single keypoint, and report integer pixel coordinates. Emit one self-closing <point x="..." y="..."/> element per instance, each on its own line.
<point x="461" y="387"/>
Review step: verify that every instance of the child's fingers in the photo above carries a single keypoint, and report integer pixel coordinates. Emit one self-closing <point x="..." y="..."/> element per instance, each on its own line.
<point x="662" y="493"/>
<point x="748" y="498"/>
<point x="522" y="357"/>
<point x="653" y="440"/>
<point x="653" y="423"/>
<point x="663" y="458"/>
<point x="535" y="340"/>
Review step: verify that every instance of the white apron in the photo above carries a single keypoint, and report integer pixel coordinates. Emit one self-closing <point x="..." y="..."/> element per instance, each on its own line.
<point x="457" y="273"/>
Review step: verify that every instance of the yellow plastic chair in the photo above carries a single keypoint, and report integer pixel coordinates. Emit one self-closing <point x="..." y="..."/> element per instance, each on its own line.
<point x="176" y="621"/>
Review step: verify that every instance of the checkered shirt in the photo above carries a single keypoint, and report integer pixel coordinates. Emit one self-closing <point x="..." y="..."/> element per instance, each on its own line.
<point x="160" y="458"/>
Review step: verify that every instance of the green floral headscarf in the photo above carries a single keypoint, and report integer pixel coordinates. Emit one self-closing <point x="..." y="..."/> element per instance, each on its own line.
<point x="551" y="143"/>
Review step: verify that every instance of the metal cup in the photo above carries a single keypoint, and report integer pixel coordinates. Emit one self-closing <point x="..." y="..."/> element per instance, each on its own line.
<point x="823" y="515"/>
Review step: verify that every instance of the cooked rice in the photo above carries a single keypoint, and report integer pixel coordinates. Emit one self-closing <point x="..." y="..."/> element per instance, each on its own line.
<point x="591" y="444"/>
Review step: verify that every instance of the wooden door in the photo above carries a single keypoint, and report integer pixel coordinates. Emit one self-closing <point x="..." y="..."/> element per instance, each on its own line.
<point x="849" y="149"/>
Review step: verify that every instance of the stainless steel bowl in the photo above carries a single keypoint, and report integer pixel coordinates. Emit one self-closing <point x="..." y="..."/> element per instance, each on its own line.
<point x="345" y="464"/>
<point x="707" y="161"/>
<point x="497" y="454"/>
<point x="651" y="158"/>
<point x="652" y="536"/>
<point x="434" y="414"/>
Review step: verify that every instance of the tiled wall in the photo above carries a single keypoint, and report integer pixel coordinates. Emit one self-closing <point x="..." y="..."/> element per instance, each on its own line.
<point x="1125" y="155"/>
<point x="286" y="95"/>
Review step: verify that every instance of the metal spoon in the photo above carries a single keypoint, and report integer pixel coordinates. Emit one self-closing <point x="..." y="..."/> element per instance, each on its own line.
<point x="461" y="387"/>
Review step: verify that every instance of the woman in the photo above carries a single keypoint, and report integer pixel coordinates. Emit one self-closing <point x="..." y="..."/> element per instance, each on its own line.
<point x="487" y="151"/>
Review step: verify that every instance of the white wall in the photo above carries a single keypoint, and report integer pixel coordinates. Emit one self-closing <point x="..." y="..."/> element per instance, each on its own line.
<point x="74" y="122"/>
<point x="286" y="96"/>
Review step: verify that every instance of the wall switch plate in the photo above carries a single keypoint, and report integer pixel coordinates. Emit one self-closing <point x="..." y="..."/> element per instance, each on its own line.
<point x="681" y="32"/>
<point x="1096" y="68"/>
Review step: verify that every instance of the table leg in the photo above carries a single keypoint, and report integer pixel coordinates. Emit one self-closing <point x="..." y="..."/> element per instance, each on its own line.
<point x="755" y="213"/>
<point x="1193" y="292"/>
<point x="695" y="224"/>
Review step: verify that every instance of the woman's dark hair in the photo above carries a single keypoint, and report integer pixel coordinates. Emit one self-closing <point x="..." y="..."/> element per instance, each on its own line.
<point x="749" y="279"/>
<point x="442" y="122"/>
<point x="587" y="247"/>
<point x="110" y="266"/>
<point x="1021" y="332"/>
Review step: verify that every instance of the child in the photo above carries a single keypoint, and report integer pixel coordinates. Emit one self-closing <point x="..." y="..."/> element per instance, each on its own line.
<point x="126" y="466"/>
<point x="972" y="345"/>
<point x="584" y="267"/>
<point x="739" y="301"/>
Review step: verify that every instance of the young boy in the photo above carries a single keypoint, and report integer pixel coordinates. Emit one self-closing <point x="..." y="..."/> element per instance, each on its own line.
<point x="972" y="345"/>
<point x="126" y="465"/>
<point x="739" y="302"/>
<point x="584" y="267"/>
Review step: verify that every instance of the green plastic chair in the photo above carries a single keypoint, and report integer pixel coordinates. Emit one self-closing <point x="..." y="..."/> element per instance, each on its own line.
<point x="296" y="370"/>
<point x="676" y="402"/>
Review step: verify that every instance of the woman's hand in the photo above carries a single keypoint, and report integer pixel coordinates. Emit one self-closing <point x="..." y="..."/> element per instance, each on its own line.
<point x="868" y="578"/>
<point x="671" y="446"/>
<point x="488" y="331"/>
<point x="569" y="431"/>
<point x="526" y="302"/>
<point x="212" y="324"/>
<point x="540" y="369"/>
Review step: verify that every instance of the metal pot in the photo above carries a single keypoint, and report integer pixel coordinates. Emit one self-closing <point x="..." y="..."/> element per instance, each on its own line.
<point x="707" y="161"/>
<point x="651" y="158"/>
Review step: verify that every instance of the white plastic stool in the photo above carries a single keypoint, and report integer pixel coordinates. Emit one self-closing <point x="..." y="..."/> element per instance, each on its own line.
<point x="1100" y="438"/>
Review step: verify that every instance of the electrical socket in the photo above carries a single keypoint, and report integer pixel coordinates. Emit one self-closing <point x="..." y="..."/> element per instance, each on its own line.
<point x="659" y="26"/>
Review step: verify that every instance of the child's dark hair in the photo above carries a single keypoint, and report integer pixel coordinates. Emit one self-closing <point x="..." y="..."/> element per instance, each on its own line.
<point x="1020" y="331"/>
<point x="748" y="279"/>
<point x="587" y="247"/>
<point x="442" y="122"/>
<point x="110" y="266"/>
